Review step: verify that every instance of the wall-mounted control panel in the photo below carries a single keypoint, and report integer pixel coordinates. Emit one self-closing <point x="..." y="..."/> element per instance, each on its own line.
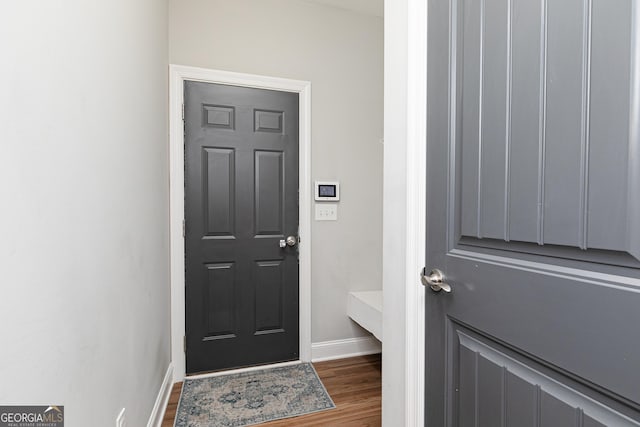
<point x="327" y="191"/>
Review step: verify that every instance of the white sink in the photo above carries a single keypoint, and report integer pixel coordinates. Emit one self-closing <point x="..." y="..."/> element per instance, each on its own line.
<point x="365" y="308"/>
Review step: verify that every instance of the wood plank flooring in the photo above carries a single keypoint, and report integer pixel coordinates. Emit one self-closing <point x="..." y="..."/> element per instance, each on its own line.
<point x="354" y="384"/>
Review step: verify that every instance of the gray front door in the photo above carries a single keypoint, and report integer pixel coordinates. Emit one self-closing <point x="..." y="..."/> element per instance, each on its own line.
<point x="241" y="200"/>
<point x="533" y="213"/>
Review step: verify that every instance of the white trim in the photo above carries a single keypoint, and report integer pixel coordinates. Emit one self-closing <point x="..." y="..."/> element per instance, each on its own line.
<point x="342" y="349"/>
<point x="157" y="414"/>
<point x="242" y="370"/>
<point x="416" y="211"/>
<point x="177" y="75"/>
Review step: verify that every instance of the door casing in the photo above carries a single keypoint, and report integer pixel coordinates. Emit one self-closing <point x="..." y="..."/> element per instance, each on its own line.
<point x="177" y="76"/>
<point x="405" y="124"/>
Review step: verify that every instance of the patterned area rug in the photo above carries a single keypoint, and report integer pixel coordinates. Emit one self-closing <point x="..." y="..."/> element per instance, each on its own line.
<point x="255" y="397"/>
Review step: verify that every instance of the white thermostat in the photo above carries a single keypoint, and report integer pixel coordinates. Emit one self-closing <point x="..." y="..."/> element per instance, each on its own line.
<point x="327" y="191"/>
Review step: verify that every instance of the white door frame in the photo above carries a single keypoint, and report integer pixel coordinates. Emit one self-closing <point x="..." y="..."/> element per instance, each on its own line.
<point x="177" y="76"/>
<point x="416" y="209"/>
<point x="403" y="354"/>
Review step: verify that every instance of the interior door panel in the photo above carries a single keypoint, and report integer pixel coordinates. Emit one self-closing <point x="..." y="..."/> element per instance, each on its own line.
<point x="241" y="199"/>
<point x="533" y="188"/>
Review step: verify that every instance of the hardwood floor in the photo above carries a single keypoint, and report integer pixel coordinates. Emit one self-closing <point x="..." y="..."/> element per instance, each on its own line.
<point x="172" y="406"/>
<point x="354" y="384"/>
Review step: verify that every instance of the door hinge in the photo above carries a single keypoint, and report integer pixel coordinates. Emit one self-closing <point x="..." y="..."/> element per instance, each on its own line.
<point x="184" y="124"/>
<point x="184" y="228"/>
<point x="184" y="343"/>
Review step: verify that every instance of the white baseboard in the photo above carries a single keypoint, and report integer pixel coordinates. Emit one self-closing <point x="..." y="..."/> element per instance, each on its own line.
<point x="157" y="414"/>
<point x="341" y="349"/>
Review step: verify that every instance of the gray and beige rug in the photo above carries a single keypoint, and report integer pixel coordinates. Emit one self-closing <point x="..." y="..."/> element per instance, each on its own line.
<point x="254" y="397"/>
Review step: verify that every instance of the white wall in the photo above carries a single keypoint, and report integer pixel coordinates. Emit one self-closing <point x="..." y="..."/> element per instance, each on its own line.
<point x="341" y="53"/>
<point x="84" y="309"/>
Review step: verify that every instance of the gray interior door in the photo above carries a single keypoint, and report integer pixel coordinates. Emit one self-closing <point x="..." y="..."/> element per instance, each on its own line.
<point x="241" y="200"/>
<point x="533" y="213"/>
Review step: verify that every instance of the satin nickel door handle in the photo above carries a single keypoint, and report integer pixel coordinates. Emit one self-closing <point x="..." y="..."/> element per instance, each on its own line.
<point x="289" y="241"/>
<point x="292" y="240"/>
<point x="435" y="280"/>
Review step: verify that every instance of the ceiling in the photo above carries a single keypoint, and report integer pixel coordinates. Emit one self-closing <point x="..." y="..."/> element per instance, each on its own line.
<point x="369" y="7"/>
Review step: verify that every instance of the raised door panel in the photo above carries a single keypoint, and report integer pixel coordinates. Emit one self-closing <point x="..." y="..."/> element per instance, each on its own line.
<point x="526" y="127"/>
<point x="219" y="116"/>
<point x="610" y="118"/>
<point x="268" y="121"/>
<point x="565" y="140"/>
<point x="521" y="406"/>
<point x="546" y="128"/>
<point x="269" y="193"/>
<point x="497" y="387"/>
<point x="493" y="125"/>
<point x="269" y="297"/>
<point x="218" y="181"/>
<point x="220" y="302"/>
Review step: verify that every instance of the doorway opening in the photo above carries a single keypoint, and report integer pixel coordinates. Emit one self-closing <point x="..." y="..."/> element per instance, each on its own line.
<point x="178" y="76"/>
